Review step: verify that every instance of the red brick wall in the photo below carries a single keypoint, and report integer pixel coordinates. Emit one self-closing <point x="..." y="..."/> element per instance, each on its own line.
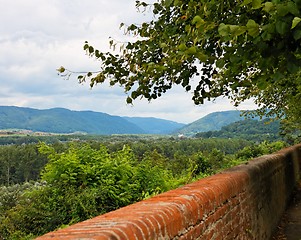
<point x="244" y="202"/>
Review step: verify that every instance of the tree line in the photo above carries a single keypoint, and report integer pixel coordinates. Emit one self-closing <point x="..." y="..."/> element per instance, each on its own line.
<point x="248" y="129"/>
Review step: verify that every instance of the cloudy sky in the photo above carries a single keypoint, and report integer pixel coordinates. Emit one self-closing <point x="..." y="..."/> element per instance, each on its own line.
<point x="38" y="36"/>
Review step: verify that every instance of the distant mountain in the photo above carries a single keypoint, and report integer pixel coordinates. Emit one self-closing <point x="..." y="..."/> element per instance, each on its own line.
<point x="155" y="125"/>
<point x="60" y="120"/>
<point x="211" y="122"/>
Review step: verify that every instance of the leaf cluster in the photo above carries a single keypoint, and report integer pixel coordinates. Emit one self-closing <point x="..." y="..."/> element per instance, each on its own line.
<point x="241" y="49"/>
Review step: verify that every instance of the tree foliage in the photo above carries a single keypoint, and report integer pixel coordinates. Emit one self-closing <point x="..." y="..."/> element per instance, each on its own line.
<point x="77" y="184"/>
<point x="249" y="129"/>
<point x="20" y="163"/>
<point x="241" y="49"/>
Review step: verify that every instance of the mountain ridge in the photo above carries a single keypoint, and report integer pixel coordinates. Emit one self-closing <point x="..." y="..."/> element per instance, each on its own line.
<point x="62" y="120"/>
<point x="155" y="125"/>
<point x="212" y="122"/>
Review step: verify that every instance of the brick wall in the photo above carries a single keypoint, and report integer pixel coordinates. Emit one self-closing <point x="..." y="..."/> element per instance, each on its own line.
<point x="244" y="202"/>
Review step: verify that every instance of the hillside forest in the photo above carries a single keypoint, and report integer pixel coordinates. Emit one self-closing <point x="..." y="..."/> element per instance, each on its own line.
<point x="50" y="184"/>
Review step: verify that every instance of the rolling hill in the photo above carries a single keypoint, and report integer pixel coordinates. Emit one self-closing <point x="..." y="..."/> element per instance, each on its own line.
<point x="211" y="122"/>
<point x="249" y="129"/>
<point x="60" y="120"/>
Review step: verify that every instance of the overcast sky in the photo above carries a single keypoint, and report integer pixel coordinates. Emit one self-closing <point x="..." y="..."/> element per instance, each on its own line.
<point x="38" y="36"/>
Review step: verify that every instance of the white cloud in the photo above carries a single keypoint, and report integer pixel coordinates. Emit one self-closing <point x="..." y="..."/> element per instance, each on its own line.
<point x="38" y="36"/>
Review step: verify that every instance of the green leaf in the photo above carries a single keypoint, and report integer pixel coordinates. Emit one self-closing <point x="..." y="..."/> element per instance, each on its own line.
<point x="97" y="54"/>
<point x="91" y="49"/>
<point x="297" y="35"/>
<point x="177" y="3"/>
<point x="282" y="10"/>
<point x="246" y="2"/>
<point x="198" y="21"/>
<point x="223" y="30"/>
<point x="202" y="57"/>
<point x="295" y="22"/>
<point x="291" y="67"/>
<point x="188" y="28"/>
<point x="292" y="8"/>
<point x="256" y="4"/>
<point x="132" y="27"/>
<point x="191" y="50"/>
<point x="268" y="6"/>
<point x="237" y="30"/>
<point x="282" y="27"/>
<point x="167" y="3"/>
<point x="163" y="45"/>
<point x="220" y="63"/>
<point x="266" y="36"/>
<point x="262" y="84"/>
<point x="278" y="76"/>
<point x="86" y="46"/>
<point x="188" y="88"/>
<point x="129" y="100"/>
<point x="61" y="69"/>
<point x="233" y="28"/>
<point x="182" y="47"/>
<point x="253" y="28"/>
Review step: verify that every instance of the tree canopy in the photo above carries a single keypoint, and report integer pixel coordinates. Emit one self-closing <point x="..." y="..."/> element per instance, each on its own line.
<point x="241" y="49"/>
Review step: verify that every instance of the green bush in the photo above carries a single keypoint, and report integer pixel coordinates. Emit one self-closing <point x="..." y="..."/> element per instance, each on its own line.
<point x="81" y="183"/>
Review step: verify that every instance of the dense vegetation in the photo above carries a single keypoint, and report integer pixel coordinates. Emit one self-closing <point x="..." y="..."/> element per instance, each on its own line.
<point x="48" y="186"/>
<point x="249" y="129"/>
